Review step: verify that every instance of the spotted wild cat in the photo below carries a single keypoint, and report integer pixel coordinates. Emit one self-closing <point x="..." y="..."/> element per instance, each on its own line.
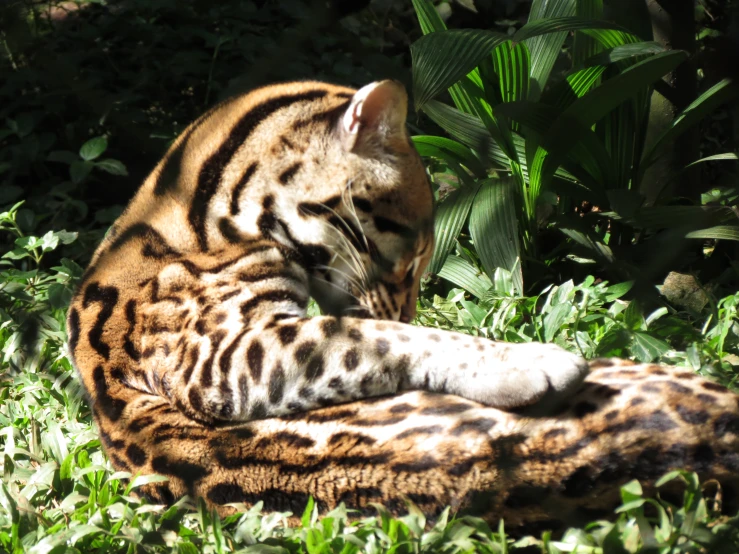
<point x="190" y="334"/>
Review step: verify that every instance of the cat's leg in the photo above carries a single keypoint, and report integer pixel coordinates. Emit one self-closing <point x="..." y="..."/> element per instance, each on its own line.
<point x="282" y="366"/>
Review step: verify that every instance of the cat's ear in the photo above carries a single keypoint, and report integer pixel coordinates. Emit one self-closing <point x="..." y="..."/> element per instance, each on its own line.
<point x="375" y="117"/>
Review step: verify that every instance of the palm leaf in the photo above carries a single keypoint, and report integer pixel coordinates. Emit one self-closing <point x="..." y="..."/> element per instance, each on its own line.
<point x="494" y="228"/>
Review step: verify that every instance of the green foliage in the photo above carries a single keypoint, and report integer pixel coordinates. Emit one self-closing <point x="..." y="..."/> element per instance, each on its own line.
<point x="591" y="318"/>
<point x="562" y="139"/>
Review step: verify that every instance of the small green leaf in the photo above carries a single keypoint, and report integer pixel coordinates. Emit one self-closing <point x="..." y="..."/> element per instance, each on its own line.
<point x="462" y="273"/>
<point x="613" y="343"/>
<point x="66" y="237"/>
<point x="93" y="148"/>
<point x="647" y="348"/>
<point x="554" y="320"/>
<point x="49" y="241"/>
<point x="308" y="512"/>
<point x="114" y="167"/>
<point x="616" y="291"/>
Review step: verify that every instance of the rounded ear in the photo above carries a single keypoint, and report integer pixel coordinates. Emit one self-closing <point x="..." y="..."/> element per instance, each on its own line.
<point x="376" y="115"/>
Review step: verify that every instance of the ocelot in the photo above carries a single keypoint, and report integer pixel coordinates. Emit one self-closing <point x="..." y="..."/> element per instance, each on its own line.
<point x="190" y="333"/>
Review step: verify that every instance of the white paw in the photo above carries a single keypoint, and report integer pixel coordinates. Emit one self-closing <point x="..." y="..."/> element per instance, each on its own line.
<point x="519" y="375"/>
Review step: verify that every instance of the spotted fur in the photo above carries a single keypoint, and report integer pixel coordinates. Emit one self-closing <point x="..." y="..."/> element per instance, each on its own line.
<point x="190" y="334"/>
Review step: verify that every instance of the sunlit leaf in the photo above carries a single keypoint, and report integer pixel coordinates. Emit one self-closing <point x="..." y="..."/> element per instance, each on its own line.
<point x="451" y="215"/>
<point x="494" y="228"/>
<point x="462" y="273"/>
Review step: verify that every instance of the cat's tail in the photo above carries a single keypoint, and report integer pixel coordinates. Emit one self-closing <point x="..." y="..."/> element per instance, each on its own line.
<point x="626" y="422"/>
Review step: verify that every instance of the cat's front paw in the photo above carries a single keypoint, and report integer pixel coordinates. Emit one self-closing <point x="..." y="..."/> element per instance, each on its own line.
<point x="521" y="375"/>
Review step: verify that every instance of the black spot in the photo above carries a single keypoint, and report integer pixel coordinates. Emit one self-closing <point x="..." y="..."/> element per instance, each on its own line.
<point x="449" y="408"/>
<point x="330" y="415"/>
<point x="385" y="225"/>
<point x="289" y="173"/>
<point x="242" y="433"/>
<point x="362" y="204"/>
<point x="351" y="359"/>
<point x="335" y="383"/>
<point x="108" y="298"/>
<point x="713" y="386"/>
<point x="434" y="337"/>
<point x="305" y="392"/>
<point x="229" y="231"/>
<point x="424" y="464"/>
<point x="196" y="401"/>
<point x="73" y="329"/>
<point x="726" y="423"/>
<point x="351" y="438"/>
<point x="303" y="352"/>
<point x="255" y="359"/>
<point x="355" y="334"/>
<point x="211" y="171"/>
<point x="581" y="409"/>
<point x="276" y="384"/>
<point x="552" y="433"/>
<point x="267" y="222"/>
<point x="678" y="388"/>
<point x="479" y="425"/>
<point x="403" y="408"/>
<point x="657" y="421"/>
<point x="136" y="455"/>
<point x="403" y="338"/>
<point x="427" y="430"/>
<point x="292" y="439"/>
<point x="240" y="187"/>
<point x="287" y="333"/>
<point x="315" y="367"/>
<point x="187" y="471"/>
<point x="258" y="411"/>
<point x="382" y="346"/>
<point x="693" y="417"/>
<point x="111" y="407"/>
<point x="330" y="326"/>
